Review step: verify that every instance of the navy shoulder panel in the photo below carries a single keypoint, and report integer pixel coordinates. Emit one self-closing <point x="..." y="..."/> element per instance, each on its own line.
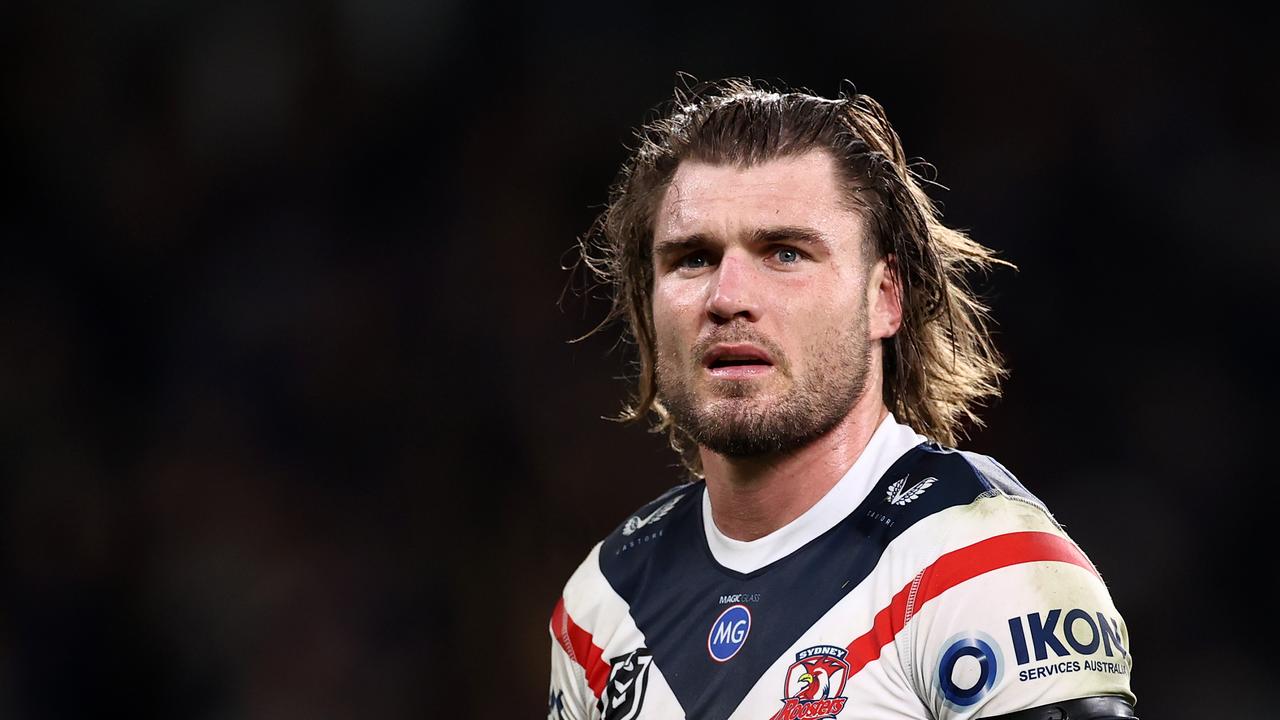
<point x="991" y="476"/>
<point x="951" y="477"/>
<point x="651" y="521"/>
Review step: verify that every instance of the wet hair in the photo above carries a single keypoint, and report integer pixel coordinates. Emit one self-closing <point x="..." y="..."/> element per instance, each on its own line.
<point x="938" y="367"/>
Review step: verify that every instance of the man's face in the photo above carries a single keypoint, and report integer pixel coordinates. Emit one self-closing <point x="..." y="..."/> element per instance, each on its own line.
<point x="760" y="303"/>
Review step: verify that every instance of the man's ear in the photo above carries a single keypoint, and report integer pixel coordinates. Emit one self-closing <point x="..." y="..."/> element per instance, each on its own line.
<point x="884" y="299"/>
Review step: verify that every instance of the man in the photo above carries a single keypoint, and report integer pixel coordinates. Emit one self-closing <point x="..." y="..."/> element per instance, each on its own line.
<point x="807" y="339"/>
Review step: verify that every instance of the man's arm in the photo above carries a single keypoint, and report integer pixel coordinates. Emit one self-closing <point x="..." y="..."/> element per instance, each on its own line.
<point x="1015" y="620"/>
<point x="566" y="699"/>
<point x="571" y="696"/>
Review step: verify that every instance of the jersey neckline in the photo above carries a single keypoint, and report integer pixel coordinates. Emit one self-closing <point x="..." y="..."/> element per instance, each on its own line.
<point x="890" y="442"/>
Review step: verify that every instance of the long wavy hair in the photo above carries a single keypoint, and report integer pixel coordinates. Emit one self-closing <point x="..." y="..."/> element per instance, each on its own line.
<point x="939" y="366"/>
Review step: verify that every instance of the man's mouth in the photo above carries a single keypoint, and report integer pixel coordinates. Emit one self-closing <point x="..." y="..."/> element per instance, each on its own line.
<point x="737" y="361"/>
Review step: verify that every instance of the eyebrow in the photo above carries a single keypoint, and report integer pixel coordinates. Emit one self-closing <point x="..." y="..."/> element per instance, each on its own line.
<point x="789" y="233"/>
<point x="680" y="244"/>
<point x="759" y="236"/>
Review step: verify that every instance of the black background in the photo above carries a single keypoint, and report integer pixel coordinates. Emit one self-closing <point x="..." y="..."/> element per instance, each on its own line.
<point x="289" y="426"/>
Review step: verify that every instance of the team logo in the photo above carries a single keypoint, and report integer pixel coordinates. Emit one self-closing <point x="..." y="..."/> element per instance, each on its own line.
<point x="969" y="668"/>
<point x="897" y="495"/>
<point x="635" y="522"/>
<point x="814" y="688"/>
<point x="623" y="694"/>
<point x="729" y="633"/>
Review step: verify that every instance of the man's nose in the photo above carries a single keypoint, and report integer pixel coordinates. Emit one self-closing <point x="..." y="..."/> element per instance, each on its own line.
<point x="733" y="291"/>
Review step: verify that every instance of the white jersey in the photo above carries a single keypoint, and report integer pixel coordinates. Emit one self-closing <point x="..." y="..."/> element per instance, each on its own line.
<point x="928" y="583"/>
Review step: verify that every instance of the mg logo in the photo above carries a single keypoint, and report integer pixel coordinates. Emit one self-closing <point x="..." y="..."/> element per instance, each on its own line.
<point x="729" y="633"/>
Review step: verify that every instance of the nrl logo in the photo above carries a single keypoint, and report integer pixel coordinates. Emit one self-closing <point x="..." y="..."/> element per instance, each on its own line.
<point x="635" y="522"/>
<point x="623" y="695"/>
<point x="897" y="495"/>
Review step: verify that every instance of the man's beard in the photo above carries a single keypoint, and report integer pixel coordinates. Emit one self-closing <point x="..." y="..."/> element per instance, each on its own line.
<point x="735" y="423"/>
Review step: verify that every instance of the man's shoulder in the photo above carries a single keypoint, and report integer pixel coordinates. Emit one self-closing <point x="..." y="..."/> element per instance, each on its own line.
<point x="657" y="512"/>
<point x="646" y="524"/>
<point x="959" y="476"/>
<point x="592" y="594"/>
<point x="938" y="498"/>
<point x="672" y="517"/>
<point x="996" y="566"/>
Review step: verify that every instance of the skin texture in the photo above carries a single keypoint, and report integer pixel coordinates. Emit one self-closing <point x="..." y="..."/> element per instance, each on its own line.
<point x="769" y="260"/>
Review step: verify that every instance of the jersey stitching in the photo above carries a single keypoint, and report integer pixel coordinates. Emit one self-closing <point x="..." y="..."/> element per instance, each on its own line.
<point x="908" y="661"/>
<point x="911" y="599"/>
<point x="565" y="642"/>
<point x="1039" y="507"/>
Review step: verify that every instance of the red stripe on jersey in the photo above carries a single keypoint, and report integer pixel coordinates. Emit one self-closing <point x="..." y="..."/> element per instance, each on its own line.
<point x="952" y="569"/>
<point x="578" y="644"/>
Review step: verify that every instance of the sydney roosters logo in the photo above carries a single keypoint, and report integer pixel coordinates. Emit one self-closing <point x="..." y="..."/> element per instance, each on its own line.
<point x="815" y="684"/>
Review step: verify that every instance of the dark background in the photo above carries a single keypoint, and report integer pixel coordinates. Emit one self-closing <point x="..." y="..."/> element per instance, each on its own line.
<point x="289" y="426"/>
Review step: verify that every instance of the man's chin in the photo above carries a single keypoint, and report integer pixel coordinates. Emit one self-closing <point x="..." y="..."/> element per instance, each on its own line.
<point x="751" y="389"/>
<point x="743" y="437"/>
<point x="755" y="432"/>
<point x="743" y="408"/>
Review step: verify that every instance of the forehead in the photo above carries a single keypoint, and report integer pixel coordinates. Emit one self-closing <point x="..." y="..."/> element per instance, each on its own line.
<point x="800" y="190"/>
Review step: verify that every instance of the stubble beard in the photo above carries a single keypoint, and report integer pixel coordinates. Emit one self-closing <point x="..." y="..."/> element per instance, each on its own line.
<point x="738" y="420"/>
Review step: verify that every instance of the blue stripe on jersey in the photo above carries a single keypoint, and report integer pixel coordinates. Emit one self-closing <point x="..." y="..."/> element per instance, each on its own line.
<point x="676" y="590"/>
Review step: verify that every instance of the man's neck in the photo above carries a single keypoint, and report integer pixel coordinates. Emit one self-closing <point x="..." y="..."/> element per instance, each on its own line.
<point x="752" y="497"/>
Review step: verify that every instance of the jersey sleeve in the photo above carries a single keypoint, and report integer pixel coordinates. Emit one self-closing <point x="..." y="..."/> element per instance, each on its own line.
<point x="578" y="671"/>
<point x="1012" y="617"/>
<point x="601" y="662"/>
<point x="570" y="697"/>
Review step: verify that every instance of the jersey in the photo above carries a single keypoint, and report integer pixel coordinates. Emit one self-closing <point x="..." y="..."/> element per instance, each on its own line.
<point x="928" y="583"/>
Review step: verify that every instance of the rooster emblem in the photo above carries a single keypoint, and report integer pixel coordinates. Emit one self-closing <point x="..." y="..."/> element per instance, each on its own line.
<point x="815" y="684"/>
<point x="817" y="677"/>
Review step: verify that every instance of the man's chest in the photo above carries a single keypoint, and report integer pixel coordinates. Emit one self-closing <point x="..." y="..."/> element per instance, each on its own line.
<point x="762" y="647"/>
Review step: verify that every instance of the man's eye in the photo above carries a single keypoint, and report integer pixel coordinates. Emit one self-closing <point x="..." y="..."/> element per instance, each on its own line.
<point x="788" y="255"/>
<point x="694" y="260"/>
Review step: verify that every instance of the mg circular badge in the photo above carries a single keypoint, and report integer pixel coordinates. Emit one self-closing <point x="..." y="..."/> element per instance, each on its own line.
<point x="729" y="633"/>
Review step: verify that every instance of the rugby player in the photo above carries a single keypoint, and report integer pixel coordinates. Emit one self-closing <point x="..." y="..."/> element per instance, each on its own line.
<point x="808" y="341"/>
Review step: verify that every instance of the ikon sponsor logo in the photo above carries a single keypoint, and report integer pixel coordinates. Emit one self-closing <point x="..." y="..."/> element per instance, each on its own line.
<point x="1056" y="634"/>
<point x="1038" y="635"/>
